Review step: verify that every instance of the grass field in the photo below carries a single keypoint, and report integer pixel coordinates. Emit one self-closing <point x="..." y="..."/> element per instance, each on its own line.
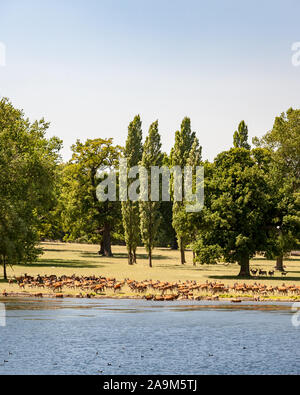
<point x="83" y="260"/>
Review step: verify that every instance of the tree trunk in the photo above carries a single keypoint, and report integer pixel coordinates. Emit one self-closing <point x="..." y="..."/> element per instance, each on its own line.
<point x="194" y="258"/>
<point x="182" y="254"/>
<point x="4" y="270"/>
<point x="130" y="256"/>
<point x="245" y="266"/>
<point x="106" y="241"/>
<point x="101" y="251"/>
<point x="174" y="245"/>
<point x="134" y="256"/>
<point x="150" y="257"/>
<point x="279" y="263"/>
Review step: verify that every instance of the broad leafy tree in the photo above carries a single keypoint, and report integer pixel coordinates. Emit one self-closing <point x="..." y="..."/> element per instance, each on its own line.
<point x="28" y="164"/>
<point x="51" y="222"/>
<point x="85" y="217"/>
<point x="239" y="210"/>
<point x="283" y="141"/>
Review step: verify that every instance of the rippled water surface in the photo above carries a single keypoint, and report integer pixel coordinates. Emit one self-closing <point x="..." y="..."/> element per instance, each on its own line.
<point x="76" y="336"/>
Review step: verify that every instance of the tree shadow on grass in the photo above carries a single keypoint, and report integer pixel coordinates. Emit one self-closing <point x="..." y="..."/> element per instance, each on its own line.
<point x="122" y="255"/>
<point x="59" y="250"/>
<point x="154" y="257"/>
<point x="231" y="277"/>
<point x="57" y="263"/>
<point x="177" y="266"/>
<point x="96" y="255"/>
<point x="274" y="261"/>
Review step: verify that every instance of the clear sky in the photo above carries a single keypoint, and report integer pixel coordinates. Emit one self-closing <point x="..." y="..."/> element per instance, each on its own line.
<point x="88" y="66"/>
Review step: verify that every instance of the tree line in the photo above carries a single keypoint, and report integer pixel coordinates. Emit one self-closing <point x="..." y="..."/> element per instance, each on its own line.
<point x="251" y="205"/>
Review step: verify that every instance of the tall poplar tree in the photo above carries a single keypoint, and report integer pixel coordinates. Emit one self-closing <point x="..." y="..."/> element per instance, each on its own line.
<point x="149" y="210"/>
<point x="240" y="137"/>
<point x="130" y="210"/>
<point x="184" y="140"/>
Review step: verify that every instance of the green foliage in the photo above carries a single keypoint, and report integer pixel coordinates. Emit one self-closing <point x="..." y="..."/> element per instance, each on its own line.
<point x="130" y="210"/>
<point x="134" y="148"/>
<point x="149" y="210"/>
<point x="184" y="140"/>
<point x="166" y="237"/>
<point x="186" y="151"/>
<point x="28" y="165"/>
<point x="284" y="143"/>
<point x="209" y="254"/>
<point x="252" y="199"/>
<point x="240" y="137"/>
<point x="51" y="226"/>
<point x="84" y="216"/>
<point x="237" y="216"/>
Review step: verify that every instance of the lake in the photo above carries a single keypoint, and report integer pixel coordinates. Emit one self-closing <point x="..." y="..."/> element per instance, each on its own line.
<point x="109" y="336"/>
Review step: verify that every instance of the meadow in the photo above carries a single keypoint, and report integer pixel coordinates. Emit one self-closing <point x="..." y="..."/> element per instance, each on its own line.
<point x="83" y="260"/>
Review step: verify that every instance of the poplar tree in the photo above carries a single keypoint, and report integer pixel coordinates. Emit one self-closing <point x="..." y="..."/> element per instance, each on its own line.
<point x="149" y="210"/>
<point x="167" y="235"/>
<point x="240" y="137"/>
<point x="185" y="141"/>
<point x="130" y="210"/>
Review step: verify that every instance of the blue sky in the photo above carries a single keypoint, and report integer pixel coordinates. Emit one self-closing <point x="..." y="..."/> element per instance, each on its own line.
<point x="89" y="66"/>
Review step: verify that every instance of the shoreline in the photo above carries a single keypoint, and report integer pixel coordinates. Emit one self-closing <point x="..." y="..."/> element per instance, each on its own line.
<point x="237" y="299"/>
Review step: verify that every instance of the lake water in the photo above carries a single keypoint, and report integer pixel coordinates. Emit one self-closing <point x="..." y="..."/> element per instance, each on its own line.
<point x="77" y="336"/>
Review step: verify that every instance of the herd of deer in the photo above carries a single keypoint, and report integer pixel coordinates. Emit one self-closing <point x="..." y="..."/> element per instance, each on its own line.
<point x="149" y="289"/>
<point x="260" y="272"/>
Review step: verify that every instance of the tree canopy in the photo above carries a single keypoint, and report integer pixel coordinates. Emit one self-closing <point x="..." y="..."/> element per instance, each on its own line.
<point x="130" y="210"/>
<point x="28" y="163"/>
<point x="186" y="151"/>
<point x="238" y="212"/>
<point x="149" y="210"/>
<point x="84" y="215"/>
<point x="252" y="197"/>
